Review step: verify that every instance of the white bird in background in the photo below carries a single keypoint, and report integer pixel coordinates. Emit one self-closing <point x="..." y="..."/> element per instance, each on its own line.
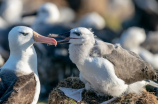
<point x="48" y="14"/>
<point x="92" y="20"/>
<point x="151" y="42"/>
<point x="67" y="15"/>
<point x="3" y="24"/>
<point x="49" y="19"/>
<point x="19" y="76"/>
<point x="131" y="39"/>
<point x="106" y="68"/>
<point x="11" y="12"/>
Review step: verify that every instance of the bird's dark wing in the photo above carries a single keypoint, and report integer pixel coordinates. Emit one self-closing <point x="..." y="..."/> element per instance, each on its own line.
<point x="128" y="66"/>
<point x="2" y="88"/>
<point x="20" y="91"/>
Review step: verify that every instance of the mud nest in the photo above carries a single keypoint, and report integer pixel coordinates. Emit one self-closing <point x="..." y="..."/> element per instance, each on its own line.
<point x="89" y="97"/>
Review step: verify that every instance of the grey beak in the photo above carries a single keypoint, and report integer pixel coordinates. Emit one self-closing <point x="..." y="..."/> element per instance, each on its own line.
<point x="65" y="37"/>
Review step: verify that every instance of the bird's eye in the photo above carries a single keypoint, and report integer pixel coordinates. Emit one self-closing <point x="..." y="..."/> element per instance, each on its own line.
<point x="78" y="34"/>
<point x="24" y="33"/>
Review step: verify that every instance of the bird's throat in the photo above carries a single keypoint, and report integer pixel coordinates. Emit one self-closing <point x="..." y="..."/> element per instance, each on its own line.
<point x="24" y="62"/>
<point x="79" y="53"/>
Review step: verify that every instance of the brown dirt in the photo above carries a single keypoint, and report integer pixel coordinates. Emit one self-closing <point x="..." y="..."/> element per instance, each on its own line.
<point x="89" y="97"/>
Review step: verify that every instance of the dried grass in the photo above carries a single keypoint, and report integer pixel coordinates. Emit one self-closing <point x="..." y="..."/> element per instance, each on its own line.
<point x="89" y="97"/>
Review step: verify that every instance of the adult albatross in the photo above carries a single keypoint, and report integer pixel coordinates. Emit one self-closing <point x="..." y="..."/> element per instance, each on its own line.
<point x="19" y="82"/>
<point x="106" y="68"/>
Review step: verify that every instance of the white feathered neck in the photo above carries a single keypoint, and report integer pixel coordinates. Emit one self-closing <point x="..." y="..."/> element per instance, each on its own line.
<point x="24" y="61"/>
<point x="78" y="53"/>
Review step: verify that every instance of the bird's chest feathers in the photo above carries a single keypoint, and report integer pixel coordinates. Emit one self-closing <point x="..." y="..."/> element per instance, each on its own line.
<point x="28" y="64"/>
<point x="98" y="71"/>
<point x="79" y="53"/>
<point x="97" y="65"/>
<point x="22" y="62"/>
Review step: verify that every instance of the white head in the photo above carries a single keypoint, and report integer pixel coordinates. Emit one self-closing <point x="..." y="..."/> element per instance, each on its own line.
<point x="79" y="36"/>
<point x="22" y="54"/>
<point x="48" y="13"/>
<point x="132" y="37"/>
<point x="81" y="41"/>
<point x="21" y="38"/>
<point x="92" y="20"/>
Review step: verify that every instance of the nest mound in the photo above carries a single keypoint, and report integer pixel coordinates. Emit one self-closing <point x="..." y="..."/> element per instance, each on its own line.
<point x="89" y="97"/>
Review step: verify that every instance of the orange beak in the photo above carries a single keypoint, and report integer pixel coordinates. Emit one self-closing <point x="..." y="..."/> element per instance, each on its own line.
<point x="42" y="39"/>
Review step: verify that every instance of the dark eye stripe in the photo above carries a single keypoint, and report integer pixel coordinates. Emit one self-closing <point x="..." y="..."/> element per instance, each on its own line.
<point x="78" y="34"/>
<point x="24" y="33"/>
